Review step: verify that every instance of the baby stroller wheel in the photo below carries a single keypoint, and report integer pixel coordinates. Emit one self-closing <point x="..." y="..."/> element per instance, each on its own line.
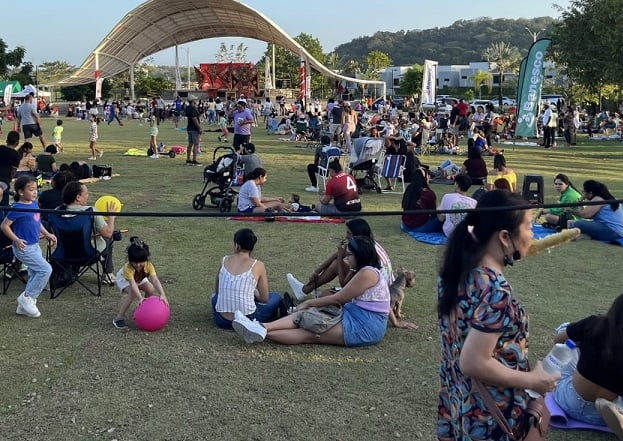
<point x="171" y="154"/>
<point x="224" y="205"/>
<point x="150" y="151"/>
<point x="199" y="202"/>
<point x="378" y="189"/>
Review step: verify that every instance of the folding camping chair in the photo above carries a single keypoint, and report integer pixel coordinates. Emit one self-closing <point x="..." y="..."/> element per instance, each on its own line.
<point x="75" y="253"/>
<point x="9" y="267"/>
<point x="327" y="156"/>
<point x="392" y="168"/>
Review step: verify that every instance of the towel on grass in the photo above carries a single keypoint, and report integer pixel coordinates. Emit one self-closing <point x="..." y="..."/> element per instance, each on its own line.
<point x="440" y="239"/>
<point x="560" y="420"/>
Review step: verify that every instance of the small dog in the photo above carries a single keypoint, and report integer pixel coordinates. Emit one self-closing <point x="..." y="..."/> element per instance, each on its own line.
<point x="404" y="279"/>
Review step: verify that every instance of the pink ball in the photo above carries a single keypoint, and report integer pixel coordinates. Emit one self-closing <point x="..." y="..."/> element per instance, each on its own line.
<point x="152" y="314"/>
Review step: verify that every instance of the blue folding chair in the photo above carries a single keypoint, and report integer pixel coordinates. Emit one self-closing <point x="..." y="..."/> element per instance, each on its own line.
<point x="392" y="169"/>
<point x="75" y="254"/>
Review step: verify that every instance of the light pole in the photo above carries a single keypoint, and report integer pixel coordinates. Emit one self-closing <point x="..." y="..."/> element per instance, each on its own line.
<point x="187" y="49"/>
<point x="535" y="34"/>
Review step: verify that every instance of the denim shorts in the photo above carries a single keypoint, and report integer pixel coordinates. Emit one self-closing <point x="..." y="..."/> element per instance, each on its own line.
<point x="362" y="327"/>
<point x="574" y="405"/>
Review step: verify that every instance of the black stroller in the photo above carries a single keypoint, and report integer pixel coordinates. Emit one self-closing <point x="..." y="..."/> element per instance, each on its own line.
<point x="223" y="174"/>
<point x="363" y="163"/>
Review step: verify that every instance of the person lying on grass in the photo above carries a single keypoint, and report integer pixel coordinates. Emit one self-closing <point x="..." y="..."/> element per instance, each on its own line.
<point x="365" y="307"/>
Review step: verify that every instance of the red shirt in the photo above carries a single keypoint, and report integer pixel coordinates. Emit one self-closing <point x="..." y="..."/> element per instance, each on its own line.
<point x="427" y="201"/>
<point x="462" y="108"/>
<point x="343" y="188"/>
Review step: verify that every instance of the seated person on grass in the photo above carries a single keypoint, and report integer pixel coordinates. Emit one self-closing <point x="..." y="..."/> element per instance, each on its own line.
<point x="365" y="301"/>
<point x="242" y="285"/>
<point x="250" y="199"/>
<point x="558" y="217"/>
<point x="342" y="189"/>
<point x="455" y="201"/>
<point x="591" y="386"/>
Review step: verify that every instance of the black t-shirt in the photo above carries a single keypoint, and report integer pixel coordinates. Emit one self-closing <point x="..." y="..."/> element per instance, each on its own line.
<point x="592" y="364"/>
<point x="191" y="112"/>
<point x="9" y="161"/>
<point x="336" y="114"/>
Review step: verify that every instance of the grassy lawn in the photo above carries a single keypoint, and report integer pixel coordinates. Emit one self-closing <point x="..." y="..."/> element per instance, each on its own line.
<point x="71" y="376"/>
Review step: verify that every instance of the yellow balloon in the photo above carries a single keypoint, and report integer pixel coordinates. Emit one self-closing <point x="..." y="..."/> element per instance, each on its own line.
<point x="102" y="204"/>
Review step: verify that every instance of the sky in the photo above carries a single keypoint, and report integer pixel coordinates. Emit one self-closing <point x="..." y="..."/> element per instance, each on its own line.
<point x="68" y="30"/>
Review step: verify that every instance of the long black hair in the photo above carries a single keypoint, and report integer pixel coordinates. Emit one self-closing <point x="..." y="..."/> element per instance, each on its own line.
<point x="364" y="250"/>
<point x="414" y="190"/>
<point x="467" y="244"/>
<point x="599" y="189"/>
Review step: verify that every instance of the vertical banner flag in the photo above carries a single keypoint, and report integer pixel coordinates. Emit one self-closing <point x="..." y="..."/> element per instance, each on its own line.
<point x="522" y="73"/>
<point x="429" y="83"/>
<point x="303" y="77"/>
<point x="268" y="81"/>
<point x="531" y="77"/>
<point x="8" y="91"/>
<point x="98" y="84"/>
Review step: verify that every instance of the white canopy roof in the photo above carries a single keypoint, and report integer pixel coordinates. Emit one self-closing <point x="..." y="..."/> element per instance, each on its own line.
<point x="160" y="24"/>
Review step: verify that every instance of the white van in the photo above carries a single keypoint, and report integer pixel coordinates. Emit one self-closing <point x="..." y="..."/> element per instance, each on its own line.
<point x="553" y="99"/>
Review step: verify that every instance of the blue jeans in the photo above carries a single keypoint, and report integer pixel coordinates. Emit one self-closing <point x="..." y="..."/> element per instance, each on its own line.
<point x="39" y="270"/>
<point x="264" y="312"/>
<point x="596" y="230"/>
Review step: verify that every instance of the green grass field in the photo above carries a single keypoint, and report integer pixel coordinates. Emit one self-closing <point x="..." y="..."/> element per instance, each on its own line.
<point x="71" y="376"/>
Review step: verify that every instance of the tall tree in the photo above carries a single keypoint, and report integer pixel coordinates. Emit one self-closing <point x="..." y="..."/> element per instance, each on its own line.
<point x="411" y="81"/>
<point x="50" y="71"/>
<point x="231" y="54"/>
<point x="376" y="61"/>
<point x="10" y="59"/>
<point x="482" y="78"/>
<point x="505" y="57"/>
<point x="587" y="40"/>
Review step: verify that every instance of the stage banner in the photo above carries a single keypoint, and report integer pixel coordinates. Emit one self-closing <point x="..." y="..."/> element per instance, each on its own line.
<point x="522" y="73"/>
<point x="530" y="89"/>
<point x="302" y="79"/>
<point x="429" y="83"/>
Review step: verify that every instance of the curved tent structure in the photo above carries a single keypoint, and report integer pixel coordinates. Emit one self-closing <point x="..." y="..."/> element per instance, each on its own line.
<point x="160" y="24"/>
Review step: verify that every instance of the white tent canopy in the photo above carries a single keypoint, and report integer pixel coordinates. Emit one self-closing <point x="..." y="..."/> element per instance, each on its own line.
<point x="30" y="88"/>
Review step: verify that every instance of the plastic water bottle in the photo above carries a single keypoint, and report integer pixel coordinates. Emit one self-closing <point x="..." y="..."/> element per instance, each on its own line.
<point x="560" y="355"/>
<point x="556" y="360"/>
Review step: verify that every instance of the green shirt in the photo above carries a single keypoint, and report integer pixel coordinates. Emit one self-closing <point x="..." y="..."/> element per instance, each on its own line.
<point x="568" y="196"/>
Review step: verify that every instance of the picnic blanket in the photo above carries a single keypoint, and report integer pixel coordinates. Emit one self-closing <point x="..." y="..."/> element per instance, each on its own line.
<point x="308" y="219"/>
<point x="560" y="420"/>
<point x="440" y="239"/>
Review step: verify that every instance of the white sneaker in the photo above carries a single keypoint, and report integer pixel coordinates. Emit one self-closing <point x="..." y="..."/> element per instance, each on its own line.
<point x="27" y="306"/>
<point x="612" y="415"/>
<point x="92" y="158"/>
<point x="154" y="156"/>
<point x="251" y="331"/>
<point x="101" y="153"/>
<point x="312" y="189"/>
<point x="297" y="286"/>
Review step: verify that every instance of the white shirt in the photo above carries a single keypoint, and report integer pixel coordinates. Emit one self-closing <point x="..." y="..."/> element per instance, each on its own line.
<point x="454" y="201"/>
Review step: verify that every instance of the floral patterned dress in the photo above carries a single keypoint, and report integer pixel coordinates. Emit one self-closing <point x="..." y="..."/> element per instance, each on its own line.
<point x="486" y="303"/>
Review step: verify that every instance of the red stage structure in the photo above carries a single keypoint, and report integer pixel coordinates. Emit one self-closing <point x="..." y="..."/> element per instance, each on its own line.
<point x="223" y="79"/>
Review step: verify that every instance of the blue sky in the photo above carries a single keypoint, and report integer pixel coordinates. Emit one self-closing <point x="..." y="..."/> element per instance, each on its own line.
<point x="68" y="30"/>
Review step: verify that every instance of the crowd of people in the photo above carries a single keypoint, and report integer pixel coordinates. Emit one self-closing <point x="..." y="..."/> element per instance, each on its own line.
<point x="482" y="323"/>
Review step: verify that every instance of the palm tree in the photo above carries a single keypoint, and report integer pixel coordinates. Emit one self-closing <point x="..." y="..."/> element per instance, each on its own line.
<point x="482" y="78"/>
<point x="504" y="57"/>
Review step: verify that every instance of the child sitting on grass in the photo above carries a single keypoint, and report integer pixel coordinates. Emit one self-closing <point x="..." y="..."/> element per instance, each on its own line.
<point x="137" y="275"/>
<point x="296" y="206"/>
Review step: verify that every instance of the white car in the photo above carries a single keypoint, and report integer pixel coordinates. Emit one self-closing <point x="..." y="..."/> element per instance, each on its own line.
<point x="481" y="103"/>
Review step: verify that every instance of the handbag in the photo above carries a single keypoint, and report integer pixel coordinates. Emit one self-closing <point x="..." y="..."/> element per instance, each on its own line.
<point x="536" y="416"/>
<point x="319" y="320"/>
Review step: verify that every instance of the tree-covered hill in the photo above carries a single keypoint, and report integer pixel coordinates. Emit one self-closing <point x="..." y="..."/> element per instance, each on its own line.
<point x="460" y="43"/>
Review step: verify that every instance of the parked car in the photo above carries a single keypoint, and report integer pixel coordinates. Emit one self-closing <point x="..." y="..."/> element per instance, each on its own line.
<point x="483" y="103"/>
<point x="444" y="103"/>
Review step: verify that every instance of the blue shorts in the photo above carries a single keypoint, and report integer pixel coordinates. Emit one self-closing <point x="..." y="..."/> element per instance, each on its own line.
<point x="193" y="138"/>
<point x="362" y="327"/>
<point x="264" y="312"/>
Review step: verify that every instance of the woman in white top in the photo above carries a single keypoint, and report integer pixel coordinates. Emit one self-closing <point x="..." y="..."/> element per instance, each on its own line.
<point x="242" y="285"/>
<point x="250" y="199"/>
